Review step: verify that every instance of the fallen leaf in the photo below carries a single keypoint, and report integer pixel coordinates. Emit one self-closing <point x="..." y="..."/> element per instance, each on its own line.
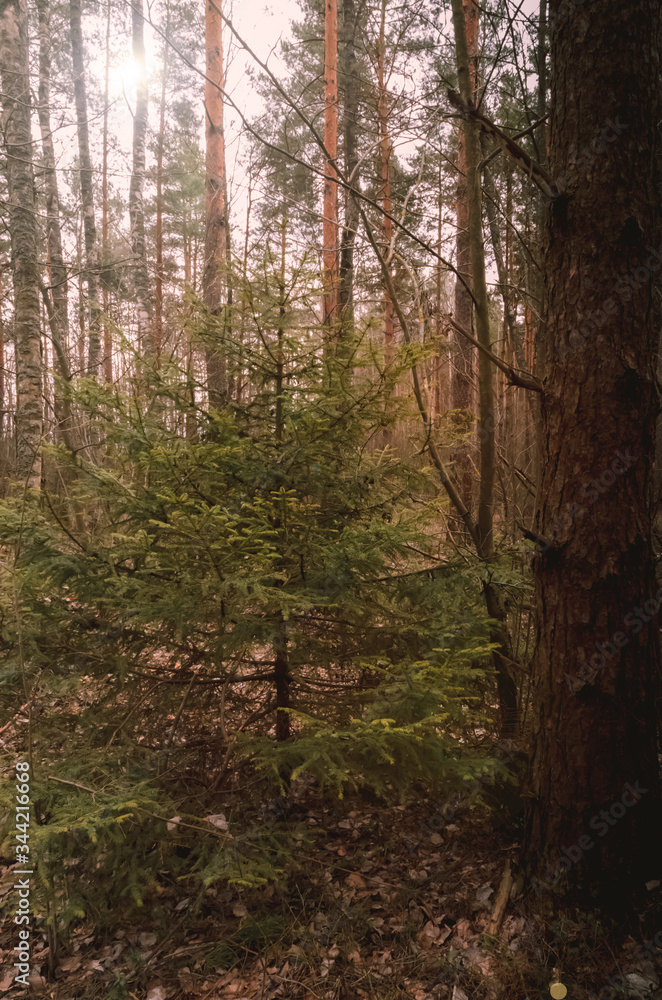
<point x="157" y="993"/>
<point x="7" y="982"/>
<point x="71" y="964"/>
<point x="483" y="894"/>
<point x="219" y="821"/>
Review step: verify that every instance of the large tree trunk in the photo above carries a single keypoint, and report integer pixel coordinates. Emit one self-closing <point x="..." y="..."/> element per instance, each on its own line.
<point x="330" y="209"/>
<point x="349" y="84"/>
<point x="14" y="73"/>
<point x="215" y="206"/>
<point x="136" y="201"/>
<point x="86" y="189"/>
<point x="595" y="807"/>
<point x="57" y="296"/>
<point x="462" y="387"/>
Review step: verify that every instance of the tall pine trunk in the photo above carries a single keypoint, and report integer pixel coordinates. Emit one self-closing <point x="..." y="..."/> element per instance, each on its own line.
<point x="348" y="78"/>
<point x="158" y="236"/>
<point x="330" y="209"/>
<point x="57" y="297"/>
<point x="14" y="75"/>
<point x="486" y="418"/>
<point x="136" y="201"/>
<point x="216" y="212"/>
<point x="106" y="328"/>
<point x="385" y="166"/>
<point x="462" y="378"/>
<point x="597" y="661"/>
<point x="86" y="189"/>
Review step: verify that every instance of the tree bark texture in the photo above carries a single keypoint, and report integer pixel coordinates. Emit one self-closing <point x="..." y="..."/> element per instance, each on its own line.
<point x="330" y="208"/>
<point x="462" y="378"/>
<point x="597" y="653"/>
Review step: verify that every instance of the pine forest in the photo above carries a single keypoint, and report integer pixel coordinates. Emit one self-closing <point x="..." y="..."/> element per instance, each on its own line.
<point x="330" y="499"/>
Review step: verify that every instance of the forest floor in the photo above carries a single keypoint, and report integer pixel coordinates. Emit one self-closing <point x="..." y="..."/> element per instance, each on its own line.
<point x="380" y="905"/>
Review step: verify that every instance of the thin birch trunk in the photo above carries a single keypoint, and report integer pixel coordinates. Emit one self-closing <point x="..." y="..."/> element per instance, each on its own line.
<point x="87" y="192"/>
<point x="136" y="200"/>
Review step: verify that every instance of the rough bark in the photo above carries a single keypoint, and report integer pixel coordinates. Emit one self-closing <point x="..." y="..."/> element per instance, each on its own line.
<point x="348" y="79"/>
<point x="462" y="378"/>
<point x="14" y="75"/>
<point x="330" y="209"/>
<point x="86" y="189"/>
<point x="441" y="364"/>
<point x="57" y="296"/>
<point x="136" y="202"/>
<point x="597" y="653"/>
<point x="215" y="203"/>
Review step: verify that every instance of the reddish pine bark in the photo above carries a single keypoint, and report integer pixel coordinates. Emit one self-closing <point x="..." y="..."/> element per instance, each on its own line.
<point x="215" y="202"/>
